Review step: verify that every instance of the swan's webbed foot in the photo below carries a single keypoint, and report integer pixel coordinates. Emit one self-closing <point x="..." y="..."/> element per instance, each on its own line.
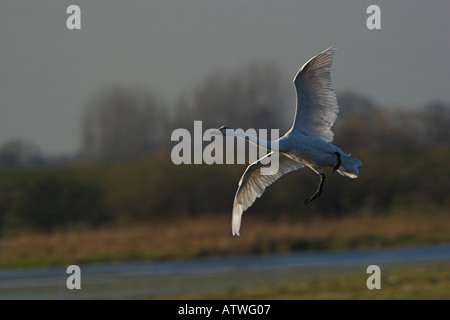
<point x="318" y="191"/>
<point x="338" y="162"/>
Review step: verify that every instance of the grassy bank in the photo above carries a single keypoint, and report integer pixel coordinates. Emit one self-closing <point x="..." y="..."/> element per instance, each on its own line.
<point x="423" y="281"/>
<point x="211" y="236"/>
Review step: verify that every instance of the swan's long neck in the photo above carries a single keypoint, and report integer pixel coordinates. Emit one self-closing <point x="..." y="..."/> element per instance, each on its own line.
<point x="255" y="140"/>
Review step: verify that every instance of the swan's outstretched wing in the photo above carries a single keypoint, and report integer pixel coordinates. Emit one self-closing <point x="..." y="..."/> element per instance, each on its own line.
<point x="253" y="184"/>
<point x="317" y="106"/>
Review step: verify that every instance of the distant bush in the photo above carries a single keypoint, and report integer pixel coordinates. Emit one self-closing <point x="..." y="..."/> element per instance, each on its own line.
<point x="53" y="202"/>
<point x="48" y="200"/>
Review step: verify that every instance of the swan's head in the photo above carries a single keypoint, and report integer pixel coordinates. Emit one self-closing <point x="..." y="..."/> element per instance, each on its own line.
<point x="223" y="130"/>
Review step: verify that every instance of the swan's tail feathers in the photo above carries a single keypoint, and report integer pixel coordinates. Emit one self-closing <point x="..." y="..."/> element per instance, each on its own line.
<point x="349" y="166"/>
<point x="236" y="219"/>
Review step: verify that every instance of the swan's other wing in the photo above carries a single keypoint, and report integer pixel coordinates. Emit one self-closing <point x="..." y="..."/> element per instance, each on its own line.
<point x="253" y="184"/>
<point x="317" y="106"/>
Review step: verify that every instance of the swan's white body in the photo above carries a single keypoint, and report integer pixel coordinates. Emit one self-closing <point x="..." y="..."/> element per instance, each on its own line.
<point x="317" y="154"/>
<point x="307" y="143"/>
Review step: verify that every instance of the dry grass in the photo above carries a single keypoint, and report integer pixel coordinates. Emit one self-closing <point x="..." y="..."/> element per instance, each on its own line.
<point x="208" y="236"/>
<point x="407" y="282"/>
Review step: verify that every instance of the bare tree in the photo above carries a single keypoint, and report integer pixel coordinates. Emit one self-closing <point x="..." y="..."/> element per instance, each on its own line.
<point x="366" y="125"/>
<point x="436" y="116"/>
<point x="123" y="123"/>
<point x="254" y="96"/>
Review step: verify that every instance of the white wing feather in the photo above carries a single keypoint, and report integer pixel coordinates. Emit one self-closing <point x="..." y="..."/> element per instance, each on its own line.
<point x="253" y="184"/>
<point x="317" y="106"/>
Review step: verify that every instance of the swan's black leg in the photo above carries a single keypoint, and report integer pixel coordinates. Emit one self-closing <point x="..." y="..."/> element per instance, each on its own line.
<point x="318" y="191"/>
<point x="338" y="162"/>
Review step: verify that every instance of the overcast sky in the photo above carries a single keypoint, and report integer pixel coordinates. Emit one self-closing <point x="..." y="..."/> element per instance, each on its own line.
<point x="48" y="72"/>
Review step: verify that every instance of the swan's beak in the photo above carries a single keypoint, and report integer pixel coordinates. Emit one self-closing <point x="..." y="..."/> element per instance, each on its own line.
<point x="219" y="131"/>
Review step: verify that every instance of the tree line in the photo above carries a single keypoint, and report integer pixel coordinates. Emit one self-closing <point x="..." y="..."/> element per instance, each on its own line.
<point x="125" y="123"/>
<point x="128" y="122"/>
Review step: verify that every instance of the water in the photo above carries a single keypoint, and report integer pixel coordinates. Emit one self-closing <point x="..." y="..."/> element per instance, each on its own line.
<point x="160" y="279"/>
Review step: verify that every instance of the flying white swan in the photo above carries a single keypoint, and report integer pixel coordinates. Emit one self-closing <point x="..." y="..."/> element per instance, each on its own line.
<point x="307" y="143"/>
